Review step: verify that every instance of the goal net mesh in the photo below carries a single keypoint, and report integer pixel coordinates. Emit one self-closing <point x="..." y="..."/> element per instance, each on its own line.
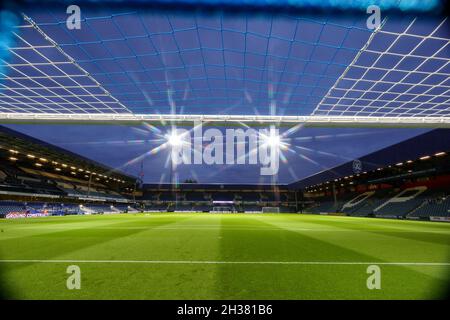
<point x="222" y="209"/>
<point x="270" y="210"/>
<point x="167" y="63"/>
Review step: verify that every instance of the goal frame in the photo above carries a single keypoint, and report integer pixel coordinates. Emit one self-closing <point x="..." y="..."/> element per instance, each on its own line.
<point x="223" y="209"/>
<point x="313" y="121"/>
<point x="270" y="210"/>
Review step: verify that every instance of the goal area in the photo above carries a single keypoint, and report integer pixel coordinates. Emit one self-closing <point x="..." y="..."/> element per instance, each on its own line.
<point x="222" y="209"/>
<point x="270" y="210"/>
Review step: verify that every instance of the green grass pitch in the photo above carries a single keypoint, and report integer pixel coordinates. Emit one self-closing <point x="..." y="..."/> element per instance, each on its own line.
<point x="223" y="256"/>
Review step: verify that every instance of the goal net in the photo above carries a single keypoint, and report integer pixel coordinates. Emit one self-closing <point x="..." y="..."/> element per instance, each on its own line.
<point x="222" y="209"/>
<point x="336" y="72"/>
<point x="270" y="210"/>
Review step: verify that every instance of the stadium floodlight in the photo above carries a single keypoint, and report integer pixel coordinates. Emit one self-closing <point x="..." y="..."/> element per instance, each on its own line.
<point x="440" y="154"/>
<point x="173" y="139"/>
<point x="273" y="140"/>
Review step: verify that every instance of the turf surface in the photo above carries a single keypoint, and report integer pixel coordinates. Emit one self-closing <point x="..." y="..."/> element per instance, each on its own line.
<point x="223" y="256"/>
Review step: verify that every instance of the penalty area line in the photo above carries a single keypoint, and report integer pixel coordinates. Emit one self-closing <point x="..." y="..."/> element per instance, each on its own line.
<point x="230" y="262"/>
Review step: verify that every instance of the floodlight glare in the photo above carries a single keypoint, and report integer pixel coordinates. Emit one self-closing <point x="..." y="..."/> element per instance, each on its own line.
<point x="173" y="139"/>
<point x="272" y="140"/>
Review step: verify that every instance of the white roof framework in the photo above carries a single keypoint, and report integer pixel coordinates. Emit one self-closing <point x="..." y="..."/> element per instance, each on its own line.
<point x="398" y="77"/>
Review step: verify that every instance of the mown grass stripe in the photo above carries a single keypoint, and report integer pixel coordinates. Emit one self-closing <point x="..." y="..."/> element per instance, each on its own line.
<point x="230" y="262"/>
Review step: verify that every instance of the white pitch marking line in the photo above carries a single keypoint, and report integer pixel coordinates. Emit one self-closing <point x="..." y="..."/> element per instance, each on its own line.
<point x="230" y="262"/>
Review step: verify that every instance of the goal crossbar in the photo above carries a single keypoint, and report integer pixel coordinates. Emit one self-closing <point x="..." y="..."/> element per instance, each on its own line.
<point x="115" y="118"/>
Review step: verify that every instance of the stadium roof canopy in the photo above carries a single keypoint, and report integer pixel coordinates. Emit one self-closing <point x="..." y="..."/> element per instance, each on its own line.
<point x="150" y="65"/>
<point x="13" y="143"/>
<point x="394" y="157"/>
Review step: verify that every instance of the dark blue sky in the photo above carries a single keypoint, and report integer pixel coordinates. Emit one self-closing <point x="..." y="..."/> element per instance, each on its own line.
<point x="313" y="150"/>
